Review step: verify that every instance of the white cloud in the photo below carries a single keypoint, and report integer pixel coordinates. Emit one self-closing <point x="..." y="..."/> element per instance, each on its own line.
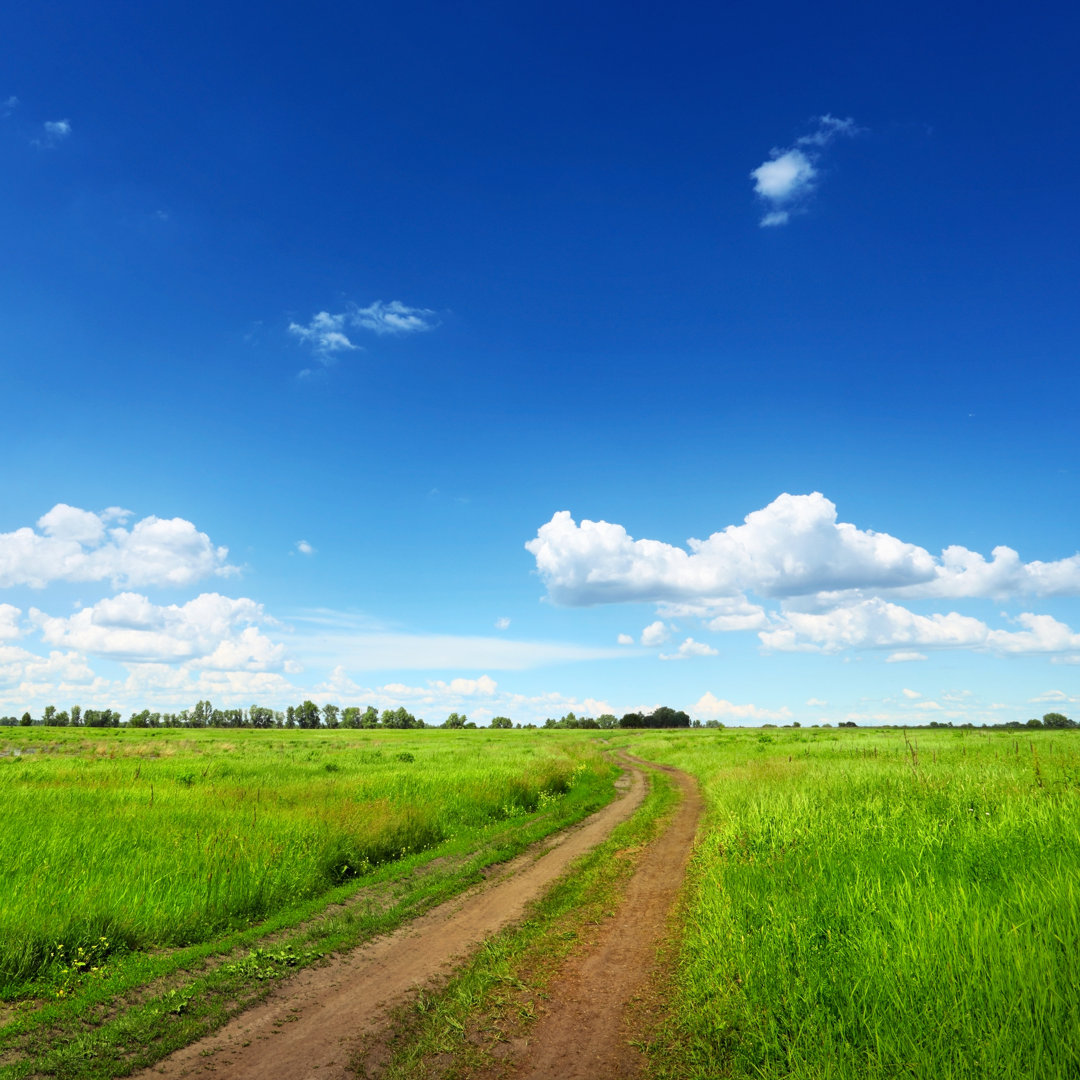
<point x="774" y="217"/>
<point x="656" y="633"/>
<point x="213" y="630"/>
<point x="502" y="623"/>
<point x="836" y="582"/>
<point x="689" y="648"/>
<point x="328" y="333"/>
<point x="1048" y="697"/>
<point x="787" y="179"/>
<point x="54" y="132"/>
<point x="9" y="622"/>
<point x="876" y="623"/>
<point x="792" y="547"/>
<point x="904" y="657"/>
<point x="392" y="318"/>
<point x="625" y="639"/>
<point x="304" y="547"/>
<point x="78" y="545"/>
<point x="816" y="703"/>
<point x="786" y="176"/>
<point x="710" y="707"/>
<point x="911" y="695"/>
<point x="19" y="666"/>
<point x="325" y="334"/>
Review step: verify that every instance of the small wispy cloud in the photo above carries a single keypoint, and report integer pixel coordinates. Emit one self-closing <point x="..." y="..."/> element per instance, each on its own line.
<point x="787" y="180"/>
<point x="9" y="105"/>
<point x="304" y="547"/>
<point x="502" y="623"/>
<point x="327" y="334"/>
<point x="54" y="132"/>
<point x="393" y="318"/>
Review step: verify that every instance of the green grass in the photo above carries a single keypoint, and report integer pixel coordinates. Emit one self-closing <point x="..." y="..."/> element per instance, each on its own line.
<point x="862" y="907"/>
<point x="121" y="842"/>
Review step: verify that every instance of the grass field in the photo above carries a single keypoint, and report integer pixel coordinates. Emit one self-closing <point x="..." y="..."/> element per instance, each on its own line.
<point x="862" y="903"/>
<point x="124" y="841"/>
<point x="875" y="904"/>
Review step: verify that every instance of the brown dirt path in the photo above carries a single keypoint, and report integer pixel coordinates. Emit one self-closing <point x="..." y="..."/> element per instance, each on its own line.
<point x="586" y="1030"/>
<point x="313" y="1023"/>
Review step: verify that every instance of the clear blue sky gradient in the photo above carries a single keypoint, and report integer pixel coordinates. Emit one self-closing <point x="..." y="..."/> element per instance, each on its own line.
<point x="566" y="191"/>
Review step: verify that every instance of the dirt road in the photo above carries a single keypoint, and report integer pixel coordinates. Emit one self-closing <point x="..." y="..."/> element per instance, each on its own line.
<point x="312" y="1023"/>
<point x="585" y="1032"/>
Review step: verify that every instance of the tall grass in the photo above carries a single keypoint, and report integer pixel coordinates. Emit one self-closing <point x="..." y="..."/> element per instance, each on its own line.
<point x="862" y="906"/>
<point x="134" y="840"/>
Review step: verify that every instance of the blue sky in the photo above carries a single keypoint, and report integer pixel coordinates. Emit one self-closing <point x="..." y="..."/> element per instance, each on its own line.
<point x="314" y="316"/>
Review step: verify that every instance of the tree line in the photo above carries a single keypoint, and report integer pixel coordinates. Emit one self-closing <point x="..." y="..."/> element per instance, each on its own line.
<point x="309" y="715"/>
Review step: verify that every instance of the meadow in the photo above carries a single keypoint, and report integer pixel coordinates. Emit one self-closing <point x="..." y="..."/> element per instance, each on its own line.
<point x="118" y="842"/>
<point x="878" y="904"/>
<point x="861" y="903"/>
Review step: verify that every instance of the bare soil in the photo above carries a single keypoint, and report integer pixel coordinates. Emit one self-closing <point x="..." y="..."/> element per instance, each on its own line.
<point x="313" y="1023"/>
<point x="594" y="1012"/>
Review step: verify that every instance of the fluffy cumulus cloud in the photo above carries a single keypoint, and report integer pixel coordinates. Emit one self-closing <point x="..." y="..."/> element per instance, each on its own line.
<point x="876" y="623"/>
<point x="70" y="544"/>
<point x="10" y="617"/>
<point x="327" y="333"/>
<point x="710" y="707"/>
<point x="214" y="631"/>
<point x="689" y="648"/>
<point x="792" y="547"/>
<point x="787" y="179"/>
<point x="806" y="581"/>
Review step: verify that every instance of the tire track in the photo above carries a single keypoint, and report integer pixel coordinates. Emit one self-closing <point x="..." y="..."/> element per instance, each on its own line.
<point x="586" y="1030"/>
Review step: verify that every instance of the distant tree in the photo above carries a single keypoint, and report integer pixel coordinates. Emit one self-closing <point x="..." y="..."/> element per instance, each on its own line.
<point x="290" y="717"/>
<point x="400" y="718"/>
<point x="607" y="721"/>
<point x="502" y="722"/>
<point x="632" y="720"/>
<point x="370" y="719"/>
<point x="26" y="720"/>
<point x="76" y="716"/>
<point x="1057" y="720"/>
<point x="455" y="721"/>
<point x="1034" y="722"/>
<point x="330" y="715"/>
<point x="307" y="715"/>
<point x="260" y="717"/>
<point x="48" y="717"/>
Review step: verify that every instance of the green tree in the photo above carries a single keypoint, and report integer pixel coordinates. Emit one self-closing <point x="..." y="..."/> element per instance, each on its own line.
<point x="26" y="720"/>
<point x="307" y="715"/>
<point x="330" y="715"/>
<point x="1057" y="720"/>
<point x="502" y="722"/>
<point x="455" y="721"/>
